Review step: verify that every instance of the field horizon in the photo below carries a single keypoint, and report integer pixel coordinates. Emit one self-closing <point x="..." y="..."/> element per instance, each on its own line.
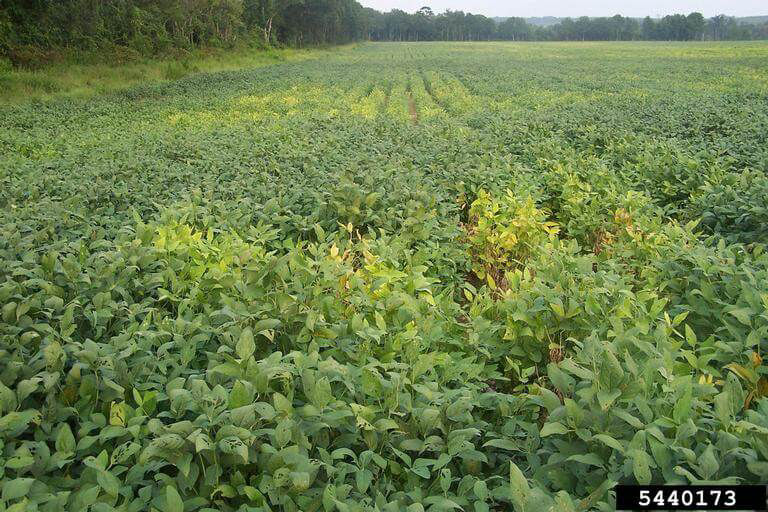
<point x="89" y="76"/>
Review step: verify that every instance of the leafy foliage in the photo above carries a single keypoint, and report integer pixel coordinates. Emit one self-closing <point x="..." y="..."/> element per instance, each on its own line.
<point x="32" y="31"/>
<point x="277" y="289"/>
<point x="504" y="233"/>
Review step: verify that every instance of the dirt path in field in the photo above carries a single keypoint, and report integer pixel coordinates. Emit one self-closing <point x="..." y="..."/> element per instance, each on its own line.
<point x="412" y="109"/>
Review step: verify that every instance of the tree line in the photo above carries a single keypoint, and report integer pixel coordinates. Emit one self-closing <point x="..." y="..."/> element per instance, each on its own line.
<point x="154" y="26"/>
<point x="425" y="25"/>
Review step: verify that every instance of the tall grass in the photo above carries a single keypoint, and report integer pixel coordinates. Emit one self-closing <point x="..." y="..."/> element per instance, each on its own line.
<point x="77" y="76"/>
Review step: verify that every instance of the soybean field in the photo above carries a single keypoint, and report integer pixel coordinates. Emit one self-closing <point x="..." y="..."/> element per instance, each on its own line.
<point x="399" y="276"/>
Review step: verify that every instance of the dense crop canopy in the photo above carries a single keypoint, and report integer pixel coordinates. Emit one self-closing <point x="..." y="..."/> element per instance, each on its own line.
<point x="404" y="277"/>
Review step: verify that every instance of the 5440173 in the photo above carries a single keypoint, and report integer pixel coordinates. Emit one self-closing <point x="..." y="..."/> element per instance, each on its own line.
<point x="696" y="497"/>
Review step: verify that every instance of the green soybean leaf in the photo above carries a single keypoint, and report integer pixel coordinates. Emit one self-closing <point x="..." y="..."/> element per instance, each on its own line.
<point x="173" y="501"/>
<point x="16" y="488"/>
<point x="245" y="344"/>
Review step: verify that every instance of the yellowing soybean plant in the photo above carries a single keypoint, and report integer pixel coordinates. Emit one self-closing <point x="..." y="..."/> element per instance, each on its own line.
<point x="400" y="277"/>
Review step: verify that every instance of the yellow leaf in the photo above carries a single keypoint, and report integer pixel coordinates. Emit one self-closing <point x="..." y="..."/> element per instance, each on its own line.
<point x="380" y="322"/>
<point x="117" y="414"/>
<point x="744" y="373"/>
<point x="558" y="309"/>
<point x="762" y="387"/>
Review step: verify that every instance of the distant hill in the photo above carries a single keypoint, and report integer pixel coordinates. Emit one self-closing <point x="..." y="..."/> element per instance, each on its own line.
<point x="548" y="21"/>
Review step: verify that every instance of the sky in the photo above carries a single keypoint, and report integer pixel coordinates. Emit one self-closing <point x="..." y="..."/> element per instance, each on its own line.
<point x="562" y="8"/>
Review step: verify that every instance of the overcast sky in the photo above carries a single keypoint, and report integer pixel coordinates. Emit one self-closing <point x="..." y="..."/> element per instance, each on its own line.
<point x="528" y="8"/>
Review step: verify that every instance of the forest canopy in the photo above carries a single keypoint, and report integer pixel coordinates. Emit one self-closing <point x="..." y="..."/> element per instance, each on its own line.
<point x="150" y="27"/>
<point x="425" y="25"/>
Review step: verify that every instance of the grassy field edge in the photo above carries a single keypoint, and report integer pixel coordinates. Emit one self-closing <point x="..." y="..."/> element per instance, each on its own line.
<point x="67" y="79"/>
